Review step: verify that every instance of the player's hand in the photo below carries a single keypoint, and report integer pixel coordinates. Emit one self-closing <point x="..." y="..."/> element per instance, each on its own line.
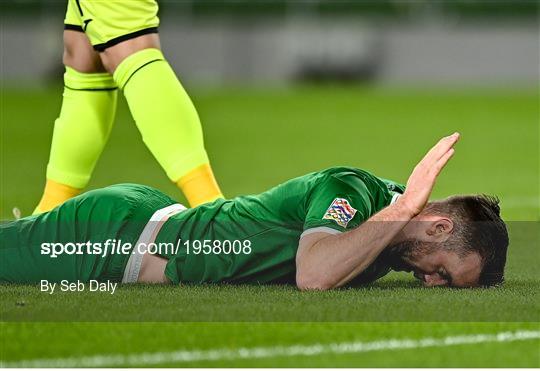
<point x="424" y="175"/>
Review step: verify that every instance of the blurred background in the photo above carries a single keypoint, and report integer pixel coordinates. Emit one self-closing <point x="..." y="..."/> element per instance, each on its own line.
<point x="283" y="41"/>
<point x="287" y="87"/>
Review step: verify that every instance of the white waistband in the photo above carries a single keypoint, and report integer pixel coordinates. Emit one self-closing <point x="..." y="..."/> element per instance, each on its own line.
<point x="148" y="235"/>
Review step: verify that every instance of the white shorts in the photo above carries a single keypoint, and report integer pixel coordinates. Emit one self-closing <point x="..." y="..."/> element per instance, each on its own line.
<point x="148" y="235"/>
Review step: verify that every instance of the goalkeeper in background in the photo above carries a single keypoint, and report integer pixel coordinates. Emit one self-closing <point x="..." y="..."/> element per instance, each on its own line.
<point x="110" y="46"/>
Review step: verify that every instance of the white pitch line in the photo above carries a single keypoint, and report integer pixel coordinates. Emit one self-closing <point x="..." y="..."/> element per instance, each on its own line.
<point x="181" y="356"/>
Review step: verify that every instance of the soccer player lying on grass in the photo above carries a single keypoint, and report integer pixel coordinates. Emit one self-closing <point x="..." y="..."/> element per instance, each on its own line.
<point x="341" y="226"/>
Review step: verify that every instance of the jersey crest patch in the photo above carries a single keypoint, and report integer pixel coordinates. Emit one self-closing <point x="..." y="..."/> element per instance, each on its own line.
<point x="340" y="211"/>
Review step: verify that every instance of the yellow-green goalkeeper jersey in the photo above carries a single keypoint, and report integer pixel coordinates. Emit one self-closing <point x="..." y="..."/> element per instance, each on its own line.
<point x="254" y="239"/>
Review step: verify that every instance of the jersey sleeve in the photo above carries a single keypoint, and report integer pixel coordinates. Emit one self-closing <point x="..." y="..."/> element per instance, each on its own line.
<point x="337" y="204"/>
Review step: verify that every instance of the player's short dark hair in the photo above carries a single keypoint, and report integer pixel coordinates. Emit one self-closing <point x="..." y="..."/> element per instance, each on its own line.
<point x="478" y="227"/>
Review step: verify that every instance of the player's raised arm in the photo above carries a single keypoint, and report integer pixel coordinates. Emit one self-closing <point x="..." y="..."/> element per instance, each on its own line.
<point x="325" y="261"/>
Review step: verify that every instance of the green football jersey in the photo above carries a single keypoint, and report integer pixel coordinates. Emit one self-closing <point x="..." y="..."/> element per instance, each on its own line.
<point x="254" y="239"/>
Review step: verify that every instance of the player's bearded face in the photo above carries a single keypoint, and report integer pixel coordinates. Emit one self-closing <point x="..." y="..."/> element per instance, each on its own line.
<point x="402" y="256"/>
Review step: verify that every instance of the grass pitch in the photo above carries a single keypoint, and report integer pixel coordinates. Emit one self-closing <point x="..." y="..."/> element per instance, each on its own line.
<point x="256" y="139"/>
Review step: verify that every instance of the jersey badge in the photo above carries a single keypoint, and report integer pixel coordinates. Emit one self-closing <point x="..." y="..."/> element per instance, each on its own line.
<point x="340" y="211"/>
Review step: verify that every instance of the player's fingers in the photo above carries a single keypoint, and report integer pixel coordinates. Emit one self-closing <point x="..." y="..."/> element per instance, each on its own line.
<point x="442" y="147"/>
<point x="441" y="163"/>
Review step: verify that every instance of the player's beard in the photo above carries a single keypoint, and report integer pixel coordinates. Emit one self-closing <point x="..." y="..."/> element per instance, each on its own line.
<point x="403" y="255"/>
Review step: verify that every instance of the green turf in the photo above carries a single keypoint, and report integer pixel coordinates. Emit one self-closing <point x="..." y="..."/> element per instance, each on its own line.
<point x="257" y="138"/>
<point x="61" y="340"/>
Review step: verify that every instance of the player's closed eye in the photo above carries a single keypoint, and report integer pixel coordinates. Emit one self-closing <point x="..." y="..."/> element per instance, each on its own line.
<point x="444" y="274"/>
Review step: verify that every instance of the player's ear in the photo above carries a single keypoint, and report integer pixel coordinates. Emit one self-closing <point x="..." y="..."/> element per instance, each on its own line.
<point x="440" y="229"/>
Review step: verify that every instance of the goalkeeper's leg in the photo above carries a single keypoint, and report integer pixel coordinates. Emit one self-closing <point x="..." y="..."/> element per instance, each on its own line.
<point x="164" y="114"/>
<point x="84" y="123"/>
<point x="125" y="34"/>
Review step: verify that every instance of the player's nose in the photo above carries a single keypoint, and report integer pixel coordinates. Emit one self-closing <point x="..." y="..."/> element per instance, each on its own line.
<point x="434" y="279"/>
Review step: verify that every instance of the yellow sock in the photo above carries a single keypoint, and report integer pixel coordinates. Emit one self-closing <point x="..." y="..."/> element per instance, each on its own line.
<point x="168" y="122"/>
<point x="199" y="185"/>
<point x="80" y="134"/>
<point x="54" y="195"/>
